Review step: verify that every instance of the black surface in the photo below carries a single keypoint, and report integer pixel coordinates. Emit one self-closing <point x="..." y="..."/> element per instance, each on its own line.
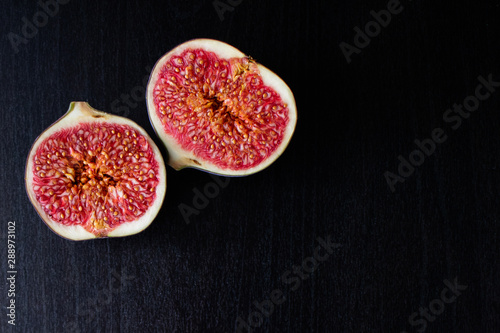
<point x="395" y="249"/>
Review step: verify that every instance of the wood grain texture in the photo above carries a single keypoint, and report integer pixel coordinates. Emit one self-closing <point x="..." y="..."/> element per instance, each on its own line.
<point x="396" y="248"/>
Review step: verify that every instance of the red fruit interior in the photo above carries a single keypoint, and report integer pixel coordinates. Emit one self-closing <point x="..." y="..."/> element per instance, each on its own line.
<point x="97" y="175"/>
<point x="220" y="109"/>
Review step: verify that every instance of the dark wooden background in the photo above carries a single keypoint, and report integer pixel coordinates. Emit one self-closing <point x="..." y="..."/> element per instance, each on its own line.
<point x="395" y="249"/>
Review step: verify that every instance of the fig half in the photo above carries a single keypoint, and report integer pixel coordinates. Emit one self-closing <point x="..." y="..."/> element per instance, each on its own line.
<point x="218" y="110"/>
<point x="94" y="175"/>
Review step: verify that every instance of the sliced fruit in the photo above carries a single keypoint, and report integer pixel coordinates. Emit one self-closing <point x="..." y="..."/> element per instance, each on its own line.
<point x="218" y="110"/>
<point x="93" y="175"/>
